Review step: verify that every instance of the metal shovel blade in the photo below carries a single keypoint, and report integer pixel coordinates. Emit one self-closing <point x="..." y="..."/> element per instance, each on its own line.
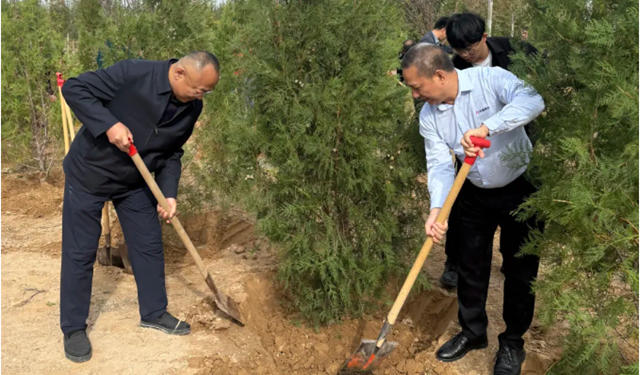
<point x="224" y="303"/>
<point x="361" y="361"/>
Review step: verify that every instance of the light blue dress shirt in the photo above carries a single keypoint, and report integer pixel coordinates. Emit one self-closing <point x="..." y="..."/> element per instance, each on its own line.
<point x="486" y="95"/>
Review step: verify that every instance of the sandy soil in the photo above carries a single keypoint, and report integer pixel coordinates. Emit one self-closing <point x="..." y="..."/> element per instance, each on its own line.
<point x="272" y="342"/>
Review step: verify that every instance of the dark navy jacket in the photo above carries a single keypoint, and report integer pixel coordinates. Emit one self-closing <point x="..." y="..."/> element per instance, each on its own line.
<point x="136" y="93"/>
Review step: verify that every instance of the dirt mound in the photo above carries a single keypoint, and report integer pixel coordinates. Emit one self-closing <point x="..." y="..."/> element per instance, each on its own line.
<point x="243" y="266"/>
<point x="283" y="346"/>
<point x="26" y="194"/>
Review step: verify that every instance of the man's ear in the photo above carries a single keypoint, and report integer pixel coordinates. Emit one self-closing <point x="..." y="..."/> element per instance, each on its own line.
<point x="484" y="37"/>
<point x="440" y="75"/>
<point x="178" y="72"/>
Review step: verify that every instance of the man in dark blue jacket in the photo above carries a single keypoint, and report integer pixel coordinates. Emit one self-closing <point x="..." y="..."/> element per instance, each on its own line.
<point x="154" y="104"/>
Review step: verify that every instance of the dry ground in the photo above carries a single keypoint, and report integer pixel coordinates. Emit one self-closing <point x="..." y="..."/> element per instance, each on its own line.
<point x="270" y="343"/>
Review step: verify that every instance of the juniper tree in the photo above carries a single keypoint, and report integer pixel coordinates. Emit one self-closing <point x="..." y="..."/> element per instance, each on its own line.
<point x="319" y="145"/>
<point x="586" y="163"/>
<point x="30" y="53"/>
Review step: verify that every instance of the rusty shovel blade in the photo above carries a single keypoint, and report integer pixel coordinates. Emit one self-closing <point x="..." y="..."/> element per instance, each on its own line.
<point x="365" y="359"/>
<point x="224" y="303"/>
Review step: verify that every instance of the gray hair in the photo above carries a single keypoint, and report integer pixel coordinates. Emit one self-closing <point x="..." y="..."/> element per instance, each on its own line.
<point x="427" y="58"/>
<point x="200" y="59"/>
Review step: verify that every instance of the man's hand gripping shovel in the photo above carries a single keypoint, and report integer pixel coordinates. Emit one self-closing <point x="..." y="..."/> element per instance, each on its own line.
<point x="223" y="302"/>
<point x="371" y="352"/>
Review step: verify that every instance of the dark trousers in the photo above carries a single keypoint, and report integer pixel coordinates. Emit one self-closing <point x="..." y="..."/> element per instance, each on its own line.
<point x="80" y="235"/>
<point x="478" y="213"/>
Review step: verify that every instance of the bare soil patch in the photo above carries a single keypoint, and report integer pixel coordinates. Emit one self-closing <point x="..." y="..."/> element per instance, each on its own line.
<point x="272" y="342"/>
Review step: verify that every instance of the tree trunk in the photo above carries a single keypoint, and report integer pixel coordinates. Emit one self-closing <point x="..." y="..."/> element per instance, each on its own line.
<point x="489" y="16"/>
<point x="513" y="23"/>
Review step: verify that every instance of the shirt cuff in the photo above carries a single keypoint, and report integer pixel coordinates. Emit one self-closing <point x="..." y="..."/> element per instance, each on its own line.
<point x="493" y="123"/>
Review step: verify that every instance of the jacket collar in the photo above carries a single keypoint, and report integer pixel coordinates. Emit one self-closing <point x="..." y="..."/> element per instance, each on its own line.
<point x="495" y="47"/>
<point x="163" y="79"/>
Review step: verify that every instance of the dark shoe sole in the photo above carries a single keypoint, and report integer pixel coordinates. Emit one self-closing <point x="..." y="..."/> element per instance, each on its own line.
<point x="76" y="358"/>
<point x="448" y="285"/>
<point x="179" y="332"/>
<point x="453" y="359"/>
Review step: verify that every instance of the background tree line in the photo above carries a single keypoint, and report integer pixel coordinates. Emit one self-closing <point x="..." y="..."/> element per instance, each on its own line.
<point x="307" y="132"/>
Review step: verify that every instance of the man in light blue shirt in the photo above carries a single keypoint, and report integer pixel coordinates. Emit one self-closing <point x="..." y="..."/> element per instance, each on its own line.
<point x="482" y="102"/>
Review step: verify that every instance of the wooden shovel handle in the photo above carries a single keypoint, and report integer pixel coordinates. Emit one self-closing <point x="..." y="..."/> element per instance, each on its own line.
<point x="151" y="182"/>
<point x="65" y="128"/>
<point x="428" y="244"/>
<point x="67" y="119"/>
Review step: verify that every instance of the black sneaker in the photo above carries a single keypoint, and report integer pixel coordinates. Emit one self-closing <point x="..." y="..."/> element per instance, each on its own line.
<point x="449" y="278"/>
<point x="167" y="323"/>
<point x="77" y="346"/>
<point x="509" y="360"/>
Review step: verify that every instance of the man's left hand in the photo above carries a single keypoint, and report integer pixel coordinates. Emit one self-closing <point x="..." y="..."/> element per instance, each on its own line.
<point x="167" y="215"/>
<point x="469" y="149"/>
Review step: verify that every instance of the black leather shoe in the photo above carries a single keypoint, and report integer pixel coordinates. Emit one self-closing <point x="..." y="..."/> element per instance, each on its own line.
<point x="77" y="346"/>
<point x="167" y="323"/>
<point x="509" y="360"/>
<point x="449" y="278"/>
<point x="458" y="346"/>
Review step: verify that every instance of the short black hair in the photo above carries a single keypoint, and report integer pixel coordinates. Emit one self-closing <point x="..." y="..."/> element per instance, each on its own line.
<point x="441" y="22"/>
<point x="464" y="29"/>
<point x="427" y="58"/>
<point x="406" y="45"/>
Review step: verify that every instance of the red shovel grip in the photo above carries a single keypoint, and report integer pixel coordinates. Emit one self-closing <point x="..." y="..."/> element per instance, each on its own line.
<point x="479" y="142"/>
<point x="60" y="80"/>
<point x="132" y="149"/>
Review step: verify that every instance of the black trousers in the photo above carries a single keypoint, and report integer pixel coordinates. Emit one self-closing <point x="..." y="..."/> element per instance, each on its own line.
<point x="478" y="212"/>
<point x="80" y="235"/>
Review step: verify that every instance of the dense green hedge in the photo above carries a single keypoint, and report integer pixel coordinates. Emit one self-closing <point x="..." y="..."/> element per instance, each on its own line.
<point x="586" y="161"/>
<point x="318" y="143"/>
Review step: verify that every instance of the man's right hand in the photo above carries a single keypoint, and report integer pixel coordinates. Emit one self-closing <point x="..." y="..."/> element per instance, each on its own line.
<point x="120" y="136"/>
<point x="433" y="229"/>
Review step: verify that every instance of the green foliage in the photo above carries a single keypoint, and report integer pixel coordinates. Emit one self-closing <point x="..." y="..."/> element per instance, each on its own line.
<point x="630" y="370"/>
<point x="586" y="161"/>
<point x="30" y="54"/>
<point x="73" y="37"/>
<point x="318" y="144"/>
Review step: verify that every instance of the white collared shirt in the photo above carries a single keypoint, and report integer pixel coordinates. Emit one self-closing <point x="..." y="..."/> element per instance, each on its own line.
<point x="486" y="95"/>
<point x="486" y="62"/>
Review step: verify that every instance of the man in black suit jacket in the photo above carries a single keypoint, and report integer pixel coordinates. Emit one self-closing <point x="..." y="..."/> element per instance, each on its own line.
<point x="472" y="46"/>
<point x="155" y="104"/>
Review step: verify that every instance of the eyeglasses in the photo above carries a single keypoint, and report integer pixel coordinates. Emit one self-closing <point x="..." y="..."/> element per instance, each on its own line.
<point x="199" y="91"/>
<point x="204" y="92"/>
<point x="468" y="49"/>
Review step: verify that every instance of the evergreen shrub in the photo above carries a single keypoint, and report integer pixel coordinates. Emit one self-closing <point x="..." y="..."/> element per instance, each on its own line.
<point x="586" y="162"/>
<point x="317" y="140"/>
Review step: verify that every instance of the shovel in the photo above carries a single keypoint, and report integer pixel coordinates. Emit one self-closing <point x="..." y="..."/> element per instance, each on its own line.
<point x="371" y="352"/>
<point x="223" y="302"/>
<point x="104" y="253"/>
<point x="63" y="104"/>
